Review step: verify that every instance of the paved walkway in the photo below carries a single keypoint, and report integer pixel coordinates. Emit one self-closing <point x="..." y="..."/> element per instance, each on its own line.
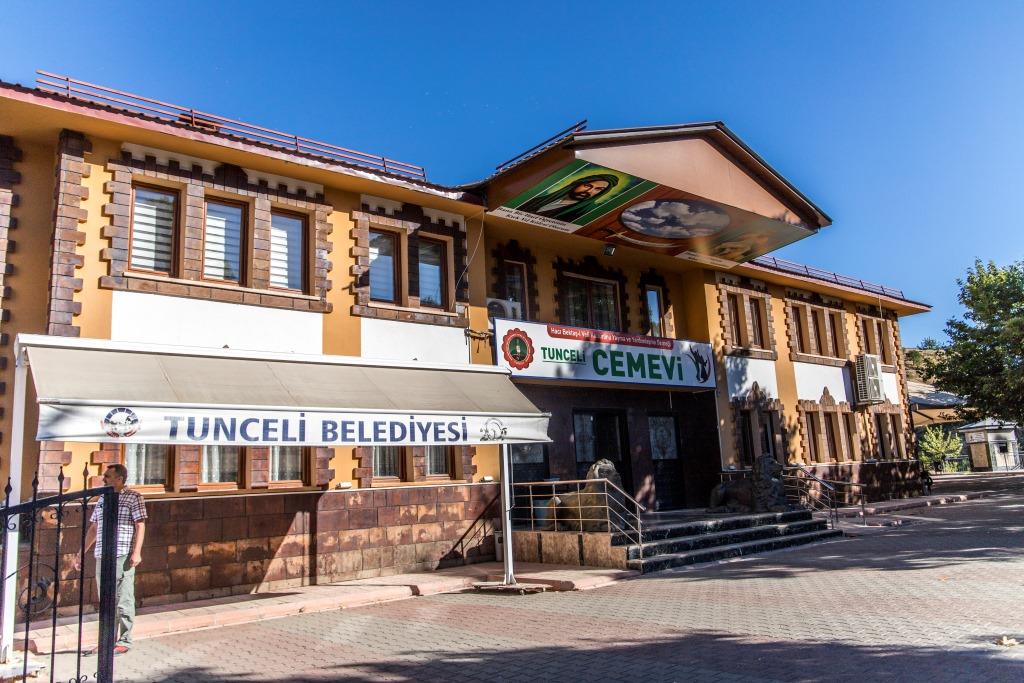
<point x="922" y="602"/>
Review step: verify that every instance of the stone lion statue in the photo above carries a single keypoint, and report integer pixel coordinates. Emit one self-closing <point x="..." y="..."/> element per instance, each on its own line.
<point x="566" y="510"/>
<point x="761" y="492"/>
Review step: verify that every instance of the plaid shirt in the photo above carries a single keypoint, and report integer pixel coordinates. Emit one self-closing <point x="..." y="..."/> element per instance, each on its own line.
<point x="131" y="508"/>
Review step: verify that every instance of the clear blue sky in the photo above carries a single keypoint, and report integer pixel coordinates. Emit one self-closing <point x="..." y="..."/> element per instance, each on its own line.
<point x="886" y="114"/>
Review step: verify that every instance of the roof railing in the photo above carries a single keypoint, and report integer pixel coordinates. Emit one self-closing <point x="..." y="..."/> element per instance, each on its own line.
<point x="66" y="86"/>
<point x="827" y="276"/>
<point x="547" y="144"/>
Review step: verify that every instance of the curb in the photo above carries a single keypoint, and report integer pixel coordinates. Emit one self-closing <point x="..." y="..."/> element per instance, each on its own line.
<point x="914" y="503"/>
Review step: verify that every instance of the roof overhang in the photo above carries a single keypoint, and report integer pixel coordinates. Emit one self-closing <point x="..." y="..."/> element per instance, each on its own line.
<point x="695" y="192"/>
<point x="103" y="391"/>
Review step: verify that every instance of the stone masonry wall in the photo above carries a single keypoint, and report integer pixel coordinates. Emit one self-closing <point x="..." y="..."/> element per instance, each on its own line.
<point x="207" y="547"/>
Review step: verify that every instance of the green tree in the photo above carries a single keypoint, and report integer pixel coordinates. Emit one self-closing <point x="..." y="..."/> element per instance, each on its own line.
<point x="984" y="359"/>
<point x="936" y="445"/>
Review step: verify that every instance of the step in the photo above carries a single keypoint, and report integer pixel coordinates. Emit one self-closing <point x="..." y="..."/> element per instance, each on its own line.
<point x="680" y="544"/>
<point x="658" y="531"/>
<point x="662" y="562"/>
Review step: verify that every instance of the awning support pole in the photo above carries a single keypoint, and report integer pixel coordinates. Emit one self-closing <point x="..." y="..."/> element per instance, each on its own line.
<point x="10" y="568"/>
<point x="506" y="514"/>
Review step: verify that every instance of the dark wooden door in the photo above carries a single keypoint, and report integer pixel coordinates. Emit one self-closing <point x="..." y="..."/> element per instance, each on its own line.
<point x="669" y="487"/>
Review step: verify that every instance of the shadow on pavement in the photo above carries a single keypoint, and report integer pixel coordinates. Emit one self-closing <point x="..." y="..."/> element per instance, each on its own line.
<point x="700" y="656"/>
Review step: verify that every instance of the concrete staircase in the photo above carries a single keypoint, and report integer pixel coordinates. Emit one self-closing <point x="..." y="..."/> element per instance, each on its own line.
<point x="681" y="542"/>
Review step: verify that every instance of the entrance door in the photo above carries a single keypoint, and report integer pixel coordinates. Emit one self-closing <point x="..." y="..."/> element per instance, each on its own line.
<point x="669" y="490"/>
<point x="602" y="434"/>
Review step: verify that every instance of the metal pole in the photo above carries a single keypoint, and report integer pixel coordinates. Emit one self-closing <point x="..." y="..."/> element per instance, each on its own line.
<point x="506" y="513"/>
<point x="108" y="589"/>
<point x="10" y="568"/>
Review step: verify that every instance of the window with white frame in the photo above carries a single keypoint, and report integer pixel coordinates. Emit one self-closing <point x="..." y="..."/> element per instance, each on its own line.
<point x="154" y="219"/>
<point x="287" y="249"/>
<point x="223" y="240"/>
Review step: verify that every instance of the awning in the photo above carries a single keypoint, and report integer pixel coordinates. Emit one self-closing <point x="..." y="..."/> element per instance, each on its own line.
<point x="103" y="391"/>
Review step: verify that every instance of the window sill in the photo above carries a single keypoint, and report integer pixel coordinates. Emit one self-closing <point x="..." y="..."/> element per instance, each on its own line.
<point x="202" y="493"/>
<point x="797" y="357"/>
<point x="748" y="352"/>
<point x="430" y="316"/>
<point x="210" y="290"/>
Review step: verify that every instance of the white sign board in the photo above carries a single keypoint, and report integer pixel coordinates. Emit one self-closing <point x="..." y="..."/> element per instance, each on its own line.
<point x="157" y="425"/>
<point x="576" y="353"/>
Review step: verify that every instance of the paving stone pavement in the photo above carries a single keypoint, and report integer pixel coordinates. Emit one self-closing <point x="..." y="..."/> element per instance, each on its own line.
<point x="923" y="602"/>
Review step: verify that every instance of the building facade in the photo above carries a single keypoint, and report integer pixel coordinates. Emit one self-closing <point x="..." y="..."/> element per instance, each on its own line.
<point x="123" y="219"/>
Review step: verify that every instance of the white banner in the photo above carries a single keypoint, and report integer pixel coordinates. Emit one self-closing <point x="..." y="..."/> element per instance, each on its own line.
<point x="158" y="425"/>
<point x="576" y="353"/>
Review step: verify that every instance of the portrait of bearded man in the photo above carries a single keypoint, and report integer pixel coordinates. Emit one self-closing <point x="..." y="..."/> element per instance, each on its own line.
<point x="572" y="201"/>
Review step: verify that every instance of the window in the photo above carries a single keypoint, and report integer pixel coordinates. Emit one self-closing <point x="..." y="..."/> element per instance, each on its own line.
<point x="811" y="419"/>
<point x="438" y="461"/>
<point x="655" y="311"/>
<point x="746" y="439"/>
<point x="148" y="464"/>
<point x="831" y="443"/>
<point x="387" y="461"/>
<point x="882" y="434"/>
<point x="757" y="324"/>
<point x="818" y="325"/>
<point x="287" y="249"/>
<point x="583" y="436"/>
<point x="884" y="350"/>
<point x="286" y="463"/>
<point x="220" y="464"/>
<point x="768" y="434"/>
<point x="527" y="453"/>
<point x="590" y="303"/>
<point x="432" y="278"/>
<point x="383" y="266"/>
<point x="734" y="319"/>
<point x="851" y="436"/>
<point x="515" y="284"/>
<point x="800" y="329"/>
<point x="877" y="339"/>
<point x="897" y="441"/>
<point x="224" y="241"/>
<point x="836" y="332"/>
<point x="662" y="429"/>
<point x="154" y="216"/>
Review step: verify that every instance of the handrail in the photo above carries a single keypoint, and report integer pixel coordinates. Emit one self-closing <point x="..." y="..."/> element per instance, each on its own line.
<point x="614" y="511"/>
<point x="825" y="502"/>
<point x="826" y="275"/>
<point x="65" y="86"/>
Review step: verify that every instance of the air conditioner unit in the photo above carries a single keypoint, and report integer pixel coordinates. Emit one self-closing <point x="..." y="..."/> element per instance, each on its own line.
<point x="504" y="308"/>
<point x="869" y="379"/>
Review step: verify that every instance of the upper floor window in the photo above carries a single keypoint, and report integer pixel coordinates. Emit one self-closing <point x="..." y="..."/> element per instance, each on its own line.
<point x="818" y="331"/>
<point x="287" y="250"/>
<point x="224" y="240"/>
<point x="383" y="266"/>
<point x="655" y="311"/>
<point x="432" y="275"/>
<point x="746" y="321"/>
<point x="876" y="335"/>
<point x="590" y="303"/>
<point x="514" y="274"/>
<point x="756" y="319"/>
<point x="154" y="220"/>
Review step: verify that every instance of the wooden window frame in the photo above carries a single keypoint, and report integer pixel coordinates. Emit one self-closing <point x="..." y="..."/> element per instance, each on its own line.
<point x="397" y="262"/>
<point x="175" y="229"/>
<point x="524" y="272"/>
<point x="222" y="485"/>
<point x="307" y="455"/>
<point x="589" y="280"/>
<point x="447" y="258"/>
<point x="445" y="476"/>
<point x="757" y="323"/>
<point x="817" y="333"/>
<point x="169" y="486"/>
<point x="245" y="257"/>
<point x="304" y="262"/>
<point x="659" y="293"/>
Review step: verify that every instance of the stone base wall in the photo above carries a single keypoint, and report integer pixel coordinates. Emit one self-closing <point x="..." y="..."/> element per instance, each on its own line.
<point x="206" y="547"/>
<point x="882" y="480"/>
<point x="561" y="547"/>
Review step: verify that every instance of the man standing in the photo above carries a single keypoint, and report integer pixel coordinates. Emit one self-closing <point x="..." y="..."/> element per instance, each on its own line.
<point x="131" y="530"/>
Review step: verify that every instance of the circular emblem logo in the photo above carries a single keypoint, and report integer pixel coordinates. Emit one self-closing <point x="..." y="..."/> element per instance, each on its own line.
<point x="517" y="348"/>
<point x="120" y="423"/>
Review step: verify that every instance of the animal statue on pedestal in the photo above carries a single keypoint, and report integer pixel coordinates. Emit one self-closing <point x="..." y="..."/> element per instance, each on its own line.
<point x="584" y="510"/>
<point x="762" y="491"/>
